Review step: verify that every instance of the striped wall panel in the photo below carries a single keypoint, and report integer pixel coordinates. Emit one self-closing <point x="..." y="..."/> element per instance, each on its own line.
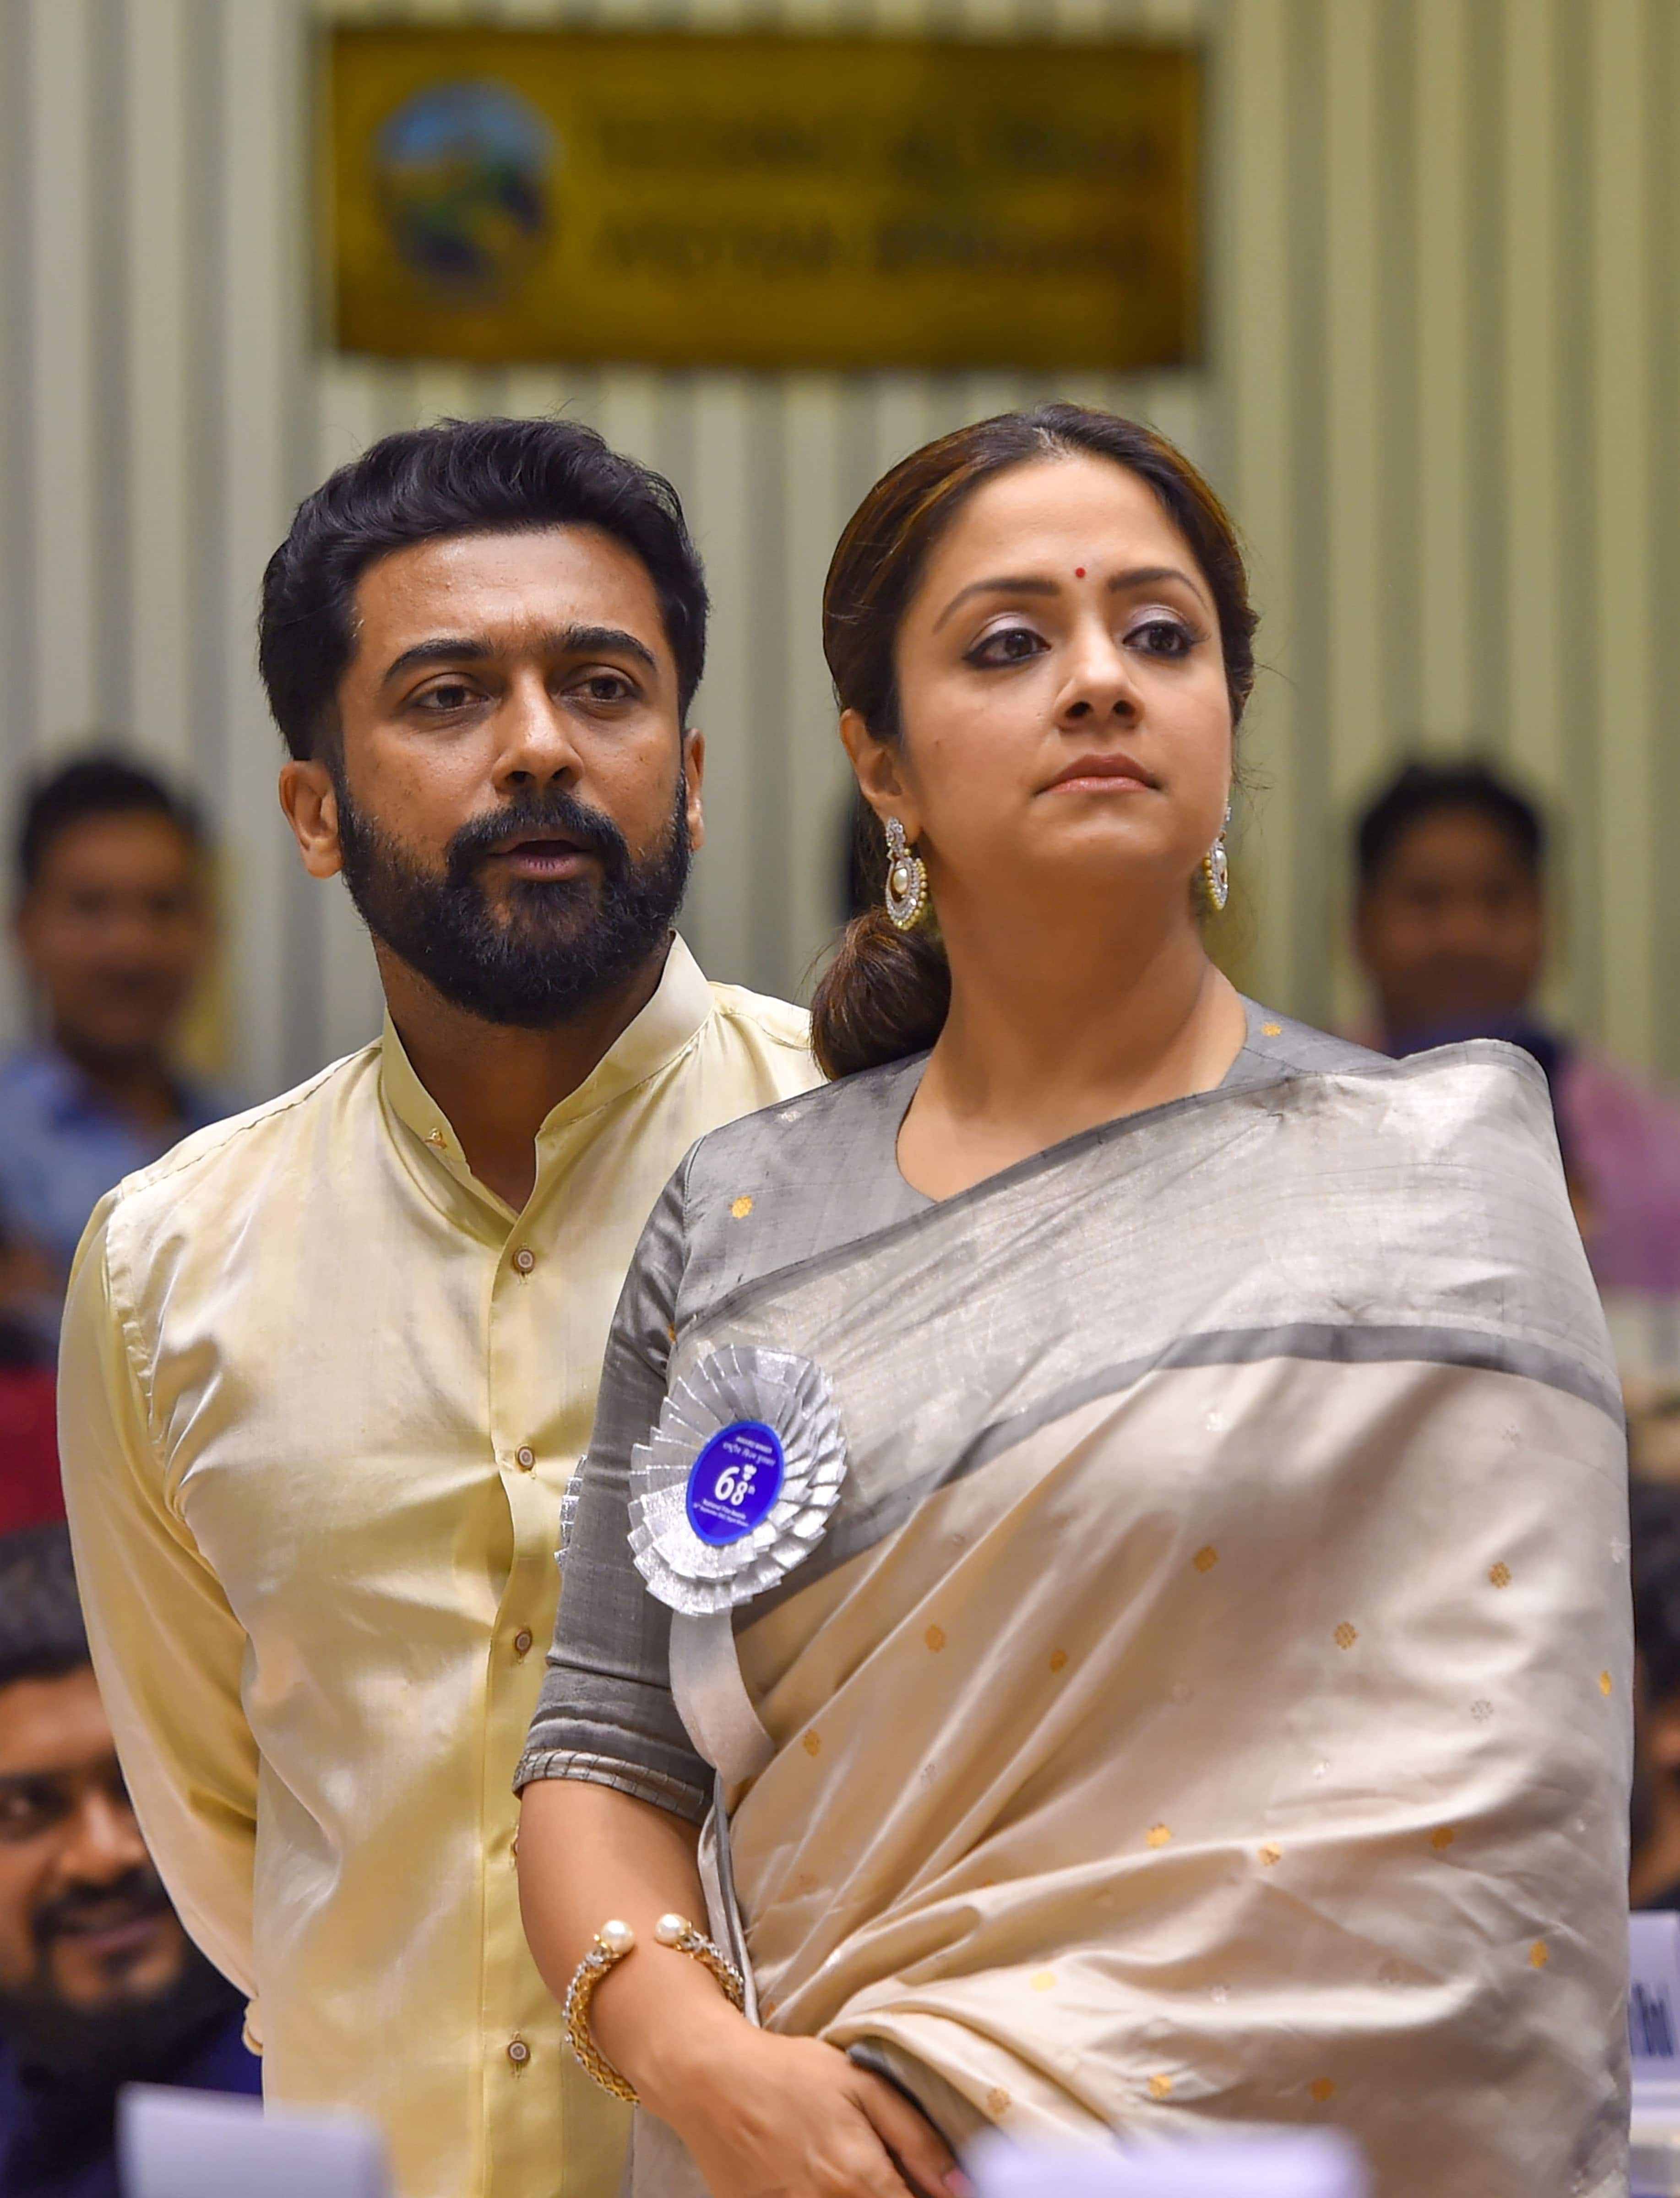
<point x="1444" y="315"/>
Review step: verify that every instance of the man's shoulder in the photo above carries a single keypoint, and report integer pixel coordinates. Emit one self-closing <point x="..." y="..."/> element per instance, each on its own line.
<point x="756" y="1017"/>
<point x="761" y="1046"/>
<point x="212" y="1158"/>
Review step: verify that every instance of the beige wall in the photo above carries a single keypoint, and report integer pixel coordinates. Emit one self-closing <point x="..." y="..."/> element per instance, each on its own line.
<point x="1446" y="326"/>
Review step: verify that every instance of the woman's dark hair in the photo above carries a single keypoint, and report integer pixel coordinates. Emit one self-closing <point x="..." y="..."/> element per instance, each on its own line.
<point x="886" y="993"/>
<point x="461" y="477"/>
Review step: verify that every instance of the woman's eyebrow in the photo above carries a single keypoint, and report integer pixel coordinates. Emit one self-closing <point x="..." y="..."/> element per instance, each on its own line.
<point x="1005" y="587"/>
<point x="1135" y="575"/>
<point x="1145" y="576"/>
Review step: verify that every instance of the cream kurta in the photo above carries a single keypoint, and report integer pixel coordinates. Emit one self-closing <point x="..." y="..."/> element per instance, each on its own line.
<point x="321" y="1393"/>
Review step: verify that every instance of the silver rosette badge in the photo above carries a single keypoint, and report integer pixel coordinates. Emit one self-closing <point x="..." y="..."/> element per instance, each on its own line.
<point x="737" y="1483"/>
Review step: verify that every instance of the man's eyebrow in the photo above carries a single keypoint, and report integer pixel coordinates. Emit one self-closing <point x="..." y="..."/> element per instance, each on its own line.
<point x="477" y="648"/>
<point x="602" y="640"/>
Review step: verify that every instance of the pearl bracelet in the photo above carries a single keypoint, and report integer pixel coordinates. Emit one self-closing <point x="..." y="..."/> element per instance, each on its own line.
<point x="611" y="1943"/>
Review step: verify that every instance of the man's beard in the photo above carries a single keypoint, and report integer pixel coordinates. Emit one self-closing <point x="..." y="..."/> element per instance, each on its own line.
<point x="564" y="944"/>
<point x="128" y="2038"/>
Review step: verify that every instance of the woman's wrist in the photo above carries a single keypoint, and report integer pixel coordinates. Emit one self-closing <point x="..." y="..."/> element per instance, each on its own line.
<point x="670" y="2047"/>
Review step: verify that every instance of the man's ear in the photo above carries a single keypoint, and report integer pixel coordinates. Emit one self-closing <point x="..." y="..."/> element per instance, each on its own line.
<point x="879" y="776"/>
<point x="694" y="764"/>
<point x="310" y="803"/>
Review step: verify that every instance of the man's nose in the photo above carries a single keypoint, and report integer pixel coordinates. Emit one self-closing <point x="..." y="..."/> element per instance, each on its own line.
<point x="104" y="1843"/>
<point x="537" y="746"/>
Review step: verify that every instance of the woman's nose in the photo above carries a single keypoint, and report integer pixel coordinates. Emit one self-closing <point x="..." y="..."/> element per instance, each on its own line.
<point x="1100" y="686"/>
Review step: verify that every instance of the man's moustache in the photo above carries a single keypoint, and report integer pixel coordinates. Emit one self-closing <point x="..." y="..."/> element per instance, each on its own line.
<point x="85" y="1908"/>
<point x="557" y="813"/>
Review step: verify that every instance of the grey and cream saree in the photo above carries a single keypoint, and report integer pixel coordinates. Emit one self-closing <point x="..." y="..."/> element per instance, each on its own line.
<point x="1206" y="1696"/>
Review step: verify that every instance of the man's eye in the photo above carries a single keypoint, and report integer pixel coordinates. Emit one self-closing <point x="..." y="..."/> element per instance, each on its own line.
<point x="605" y="687"/>
<point x="1007" y="644"/>
<point x="27" y="1811"/>
<point x="1162" y="637"/>
<point x="453" y="695"/>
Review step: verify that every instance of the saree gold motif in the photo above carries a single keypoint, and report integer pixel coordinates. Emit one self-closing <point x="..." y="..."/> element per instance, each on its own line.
<point x="1209" y="1698"/>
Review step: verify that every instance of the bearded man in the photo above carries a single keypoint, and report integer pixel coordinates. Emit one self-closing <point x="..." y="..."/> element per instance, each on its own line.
<point x="328" y="1366"/>
<point x="99" y="1984"/>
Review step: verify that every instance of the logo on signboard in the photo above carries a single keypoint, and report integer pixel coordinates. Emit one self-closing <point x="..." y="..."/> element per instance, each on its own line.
<point x="466" y="184"/>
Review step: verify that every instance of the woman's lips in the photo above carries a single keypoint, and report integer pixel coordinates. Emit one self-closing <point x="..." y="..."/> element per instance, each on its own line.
<point x="1102" y="774"/>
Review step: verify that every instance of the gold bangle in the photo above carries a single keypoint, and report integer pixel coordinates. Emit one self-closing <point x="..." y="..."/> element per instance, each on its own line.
<point x="611" y="1943"/>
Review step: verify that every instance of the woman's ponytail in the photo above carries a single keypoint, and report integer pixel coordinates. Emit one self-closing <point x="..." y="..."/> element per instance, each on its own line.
<point x="884" y="996"/>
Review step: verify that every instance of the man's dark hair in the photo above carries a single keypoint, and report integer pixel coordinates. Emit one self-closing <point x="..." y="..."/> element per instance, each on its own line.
<point x="1426" y="789"/>
<point x="461" y="477"/>
<point x="101" y="783"/>
<point x="41" y="1631"/>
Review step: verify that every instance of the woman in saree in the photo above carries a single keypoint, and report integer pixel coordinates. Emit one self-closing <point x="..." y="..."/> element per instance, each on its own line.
<point x="1113" y="1511"/>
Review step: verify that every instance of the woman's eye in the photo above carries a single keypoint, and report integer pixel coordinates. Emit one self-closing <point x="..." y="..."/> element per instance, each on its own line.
<point x="1008" y="644"/>
<point x="1162" y="637"/>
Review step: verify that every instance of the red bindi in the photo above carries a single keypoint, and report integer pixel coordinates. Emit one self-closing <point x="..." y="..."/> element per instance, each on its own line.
<point x="1078" y="572"/>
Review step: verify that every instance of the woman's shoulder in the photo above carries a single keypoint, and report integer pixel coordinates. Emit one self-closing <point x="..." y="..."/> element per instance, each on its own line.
<point x="1481" y="1093"/>
<point x="1277" y="1045"/>
<point x="797" y="1178"/>
<point x="832" y="1128"/>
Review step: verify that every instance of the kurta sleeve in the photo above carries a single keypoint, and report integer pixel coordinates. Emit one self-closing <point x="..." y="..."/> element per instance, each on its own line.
<point x="606" y="1713"/>
<point x="168" y="1650"/>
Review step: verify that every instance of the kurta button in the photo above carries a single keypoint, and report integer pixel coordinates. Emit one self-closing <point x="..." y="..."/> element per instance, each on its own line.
<point x="525" y="1458"/>
<point x="524" y="1259"/>
<point x="522" y="1642"/>
<point x="519" y="2052"/>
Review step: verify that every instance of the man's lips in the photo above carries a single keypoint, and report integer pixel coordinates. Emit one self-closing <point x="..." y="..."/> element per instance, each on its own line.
<point x="535" y="856"/>
<point x="1103" y="774"/>
<point x="109" y="1933"/>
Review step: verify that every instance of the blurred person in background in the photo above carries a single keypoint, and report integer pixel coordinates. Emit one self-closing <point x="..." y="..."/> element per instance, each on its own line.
<point x="112" y="924"/>
<point x="99" y="1984"/>
<point x="327" y="1368"/>
<point x="1653" y="1876"/>
<point x="1450" y="928"/>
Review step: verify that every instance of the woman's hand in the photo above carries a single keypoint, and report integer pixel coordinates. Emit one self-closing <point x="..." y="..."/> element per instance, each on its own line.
<point x="764" y="2116"/>
<point x="770" y="2117"/>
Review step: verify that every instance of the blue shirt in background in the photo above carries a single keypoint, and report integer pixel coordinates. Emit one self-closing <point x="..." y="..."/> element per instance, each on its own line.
<point x="58" y="2133"/>
<point x="63" y="1146"/>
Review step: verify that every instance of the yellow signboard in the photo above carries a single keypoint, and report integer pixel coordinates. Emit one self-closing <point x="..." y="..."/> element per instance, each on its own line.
<point x="762" y="202"/>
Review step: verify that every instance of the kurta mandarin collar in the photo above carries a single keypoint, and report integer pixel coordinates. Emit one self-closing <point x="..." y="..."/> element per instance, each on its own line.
<point x="682" y="1002"/>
